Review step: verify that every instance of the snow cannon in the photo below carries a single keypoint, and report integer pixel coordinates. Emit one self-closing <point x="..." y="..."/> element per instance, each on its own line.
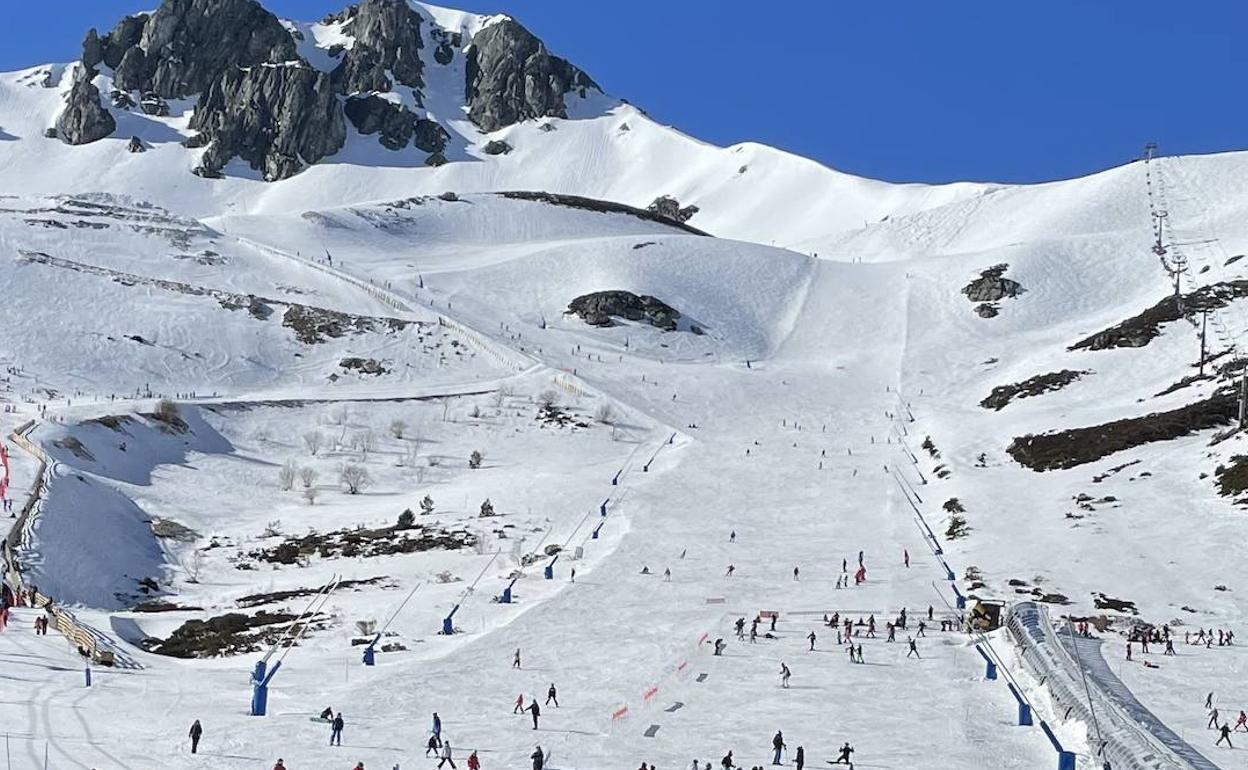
<point x="448" y="625"/>
<point x="370" y="651"/>
<point x="549" y="572"/>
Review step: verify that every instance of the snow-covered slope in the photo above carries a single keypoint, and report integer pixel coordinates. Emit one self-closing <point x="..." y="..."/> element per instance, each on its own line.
<point x="1005" y="360"/>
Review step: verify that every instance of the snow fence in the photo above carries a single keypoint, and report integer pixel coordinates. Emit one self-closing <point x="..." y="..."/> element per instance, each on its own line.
<point x="1124" y="740"/>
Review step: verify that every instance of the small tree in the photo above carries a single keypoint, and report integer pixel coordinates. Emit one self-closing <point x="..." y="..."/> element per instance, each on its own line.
<point x="605" y="414"/>
<point x="487" y="509"/>
<point x="310" y="494"/>
<point x="355" y="478"/>
<point x="286" y="476"/>
<point x="308" y="476"/>
<point x="340" y="415"/>
<point x="426" y="505"/>
<point x="313" y="441"/>
<point x="548" y="398"/>
<point x="398" y="428"/>
<point x="474" y="459"/>
<point x="407" y="519"/>
<point x="166" y="411"/>
<point x="475" y="413"/>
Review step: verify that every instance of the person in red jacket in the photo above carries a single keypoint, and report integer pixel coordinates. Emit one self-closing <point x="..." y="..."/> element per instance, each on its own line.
<point x="279" y="765"/>
<point x="473" y="762"/>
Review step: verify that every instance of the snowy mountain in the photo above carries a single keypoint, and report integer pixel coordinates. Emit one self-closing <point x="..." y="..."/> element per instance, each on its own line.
<point x="401" y="301"/>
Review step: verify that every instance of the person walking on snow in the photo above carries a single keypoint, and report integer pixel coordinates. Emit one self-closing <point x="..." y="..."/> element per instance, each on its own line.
<point x="515" y="662"/>
<point x="726" y="762"/>
<point x="906" y="556"/>
<point x="777" y="743"/>
<point x="197" y="731"/>
<point x="811" y="637"/>
<point x="1213" y="720"/>
<point x="536" y="711"/>
<point x="519" y="709"/>
<point x="446" y="755"/>
<point x="335" y="730"/>
<point x="800" y="759"/>
<point x="437" y="728"/>
<point x="1209" y="701"/>
<point x="1225" y="731"/>
<point x="732" y="536"/>
<point x="1242" y="721"/>
<point x="667" y="575"/>
<point x="431" y="746"/>
<point x="551" y="695"/>
<point x="731" y="569"/>
<point x="473" y="762"/>
<point x="785" y="673"/>
<point x="795" y="574"/>
<point x="539" y="758"/>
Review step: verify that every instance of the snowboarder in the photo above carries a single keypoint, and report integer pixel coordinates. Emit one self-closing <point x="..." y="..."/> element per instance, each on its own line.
<point x="843" y="759"/>
<point x="335" y="730"/>
<point x="811" y="637"/>
<point x="551" y="695"/>
<point x="539" y="759"/>
<point x="446" y="755"/>
<point x="197" y="731"/>
<point x="515" y="662"/>
<point x="1225" y="735"/>
<point x="777" y="743"/>
<point x="536" y="711"/>
<point x="785" y="673"/>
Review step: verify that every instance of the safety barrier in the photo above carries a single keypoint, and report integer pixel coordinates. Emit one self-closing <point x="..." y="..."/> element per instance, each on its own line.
<point x="1123" y="741"/>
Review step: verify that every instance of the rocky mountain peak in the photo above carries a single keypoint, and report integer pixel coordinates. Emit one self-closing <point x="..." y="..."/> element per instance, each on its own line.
<point x="387" y="42"/>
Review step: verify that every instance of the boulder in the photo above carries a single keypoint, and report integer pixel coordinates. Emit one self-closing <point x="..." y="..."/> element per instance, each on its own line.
<point x="496" y="147"/>
<point x="992" y="286"/>
<point x="84" y="119"/>
<point x="511" y="77"/>
<point x="429" y="136"/>
<point x="136" y="145"/>
<point x="121" y="100"/>
<point x="154" y="105"/>
<point x="600" y="308"/>
<point x="436" y="159"/>
<point x="669" y="208"/>
<point x="275" y="118"/>
<point x="387" y="42"/>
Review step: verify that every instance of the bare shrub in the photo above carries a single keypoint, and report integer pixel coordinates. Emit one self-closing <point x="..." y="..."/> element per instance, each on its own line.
<point x="313" y="440"/>
<point x="307" y="476"/>
<point x="398" y="428"/>
<point x="355" y="478"/>
<point x="286" y="476"/>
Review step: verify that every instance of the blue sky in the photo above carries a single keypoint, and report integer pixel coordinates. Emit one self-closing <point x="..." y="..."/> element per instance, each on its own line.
<point x="909" y="90"/>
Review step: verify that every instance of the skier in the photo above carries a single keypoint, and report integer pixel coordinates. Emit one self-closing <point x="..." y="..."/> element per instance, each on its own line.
<point x="777" y="743"/>
<point x="800" y="759"/>
<point x="515" y="662"/>
<point x="437" y="728"/>
<point x="1213" y="720"/>
<point x="536" y="711"/>
<point x="327" y="714"/>
<point x="811" y="637"/>
<point x="335" y="730"/>
<point x="551" y="695"/>
<point x="473" y="762"/>
<point x="197" y="731"/>
<point x="785" y="673"/>
<point x="843" y="759"/>
<point x="914" y="648"/>
<point x="539" y="759"/>
<point x="731" y="569"/>
<point x="1242" y="721"/>
<point x="446" y="755"/>
<point x="1225" y="735"/>
<point x="519" y="704"/>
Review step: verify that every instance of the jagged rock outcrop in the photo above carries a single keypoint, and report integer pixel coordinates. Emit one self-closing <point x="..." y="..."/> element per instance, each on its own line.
<point x="602" y="307"/>
<point x="277" y="118"/>
<point x="387" y="39"/>
<point x="512" y="77"/>
<point x="992" y="286"/>
<point x="669" y="208"/>
<point x="397" y="125"/>
<point x="84" y="119"/>
<point x="136" y="145"/>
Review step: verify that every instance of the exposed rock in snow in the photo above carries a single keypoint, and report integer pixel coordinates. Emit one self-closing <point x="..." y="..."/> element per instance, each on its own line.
<point x="512" y="77"/>
<point x="154" y="105"/>
<point x="136" y="145"/>
<point x="396" y="124"/>
<point x="436" y="159"/>
<point x="84" y="119"/>
<point x="992" y="286"/>
<point x="669" y="208"/>
<point x="496" y="147"/>
<point x="601" y="307"/>
<point x="275" y="118"/>
<point x="387" y="42"/>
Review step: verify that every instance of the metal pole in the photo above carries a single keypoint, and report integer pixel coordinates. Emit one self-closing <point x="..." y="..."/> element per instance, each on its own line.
<point x="1204" y="321"/>
<point x="1243" y="394"/>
